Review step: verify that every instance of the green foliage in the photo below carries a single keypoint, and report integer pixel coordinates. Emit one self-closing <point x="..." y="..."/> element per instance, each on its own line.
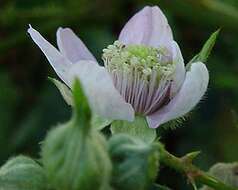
<point x="22" y="173"/>
<point x="135" y="163"/>
<point x="138" y="128"/>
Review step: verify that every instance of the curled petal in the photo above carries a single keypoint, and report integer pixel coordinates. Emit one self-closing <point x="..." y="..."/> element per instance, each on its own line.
<point x="180" y="71"/>
<point x="72" y="47"/>
<point x="57" y="61"/>
<point x="103" y="98"/>
<point x="192" y="90"/>
<point x="148" y="27"/>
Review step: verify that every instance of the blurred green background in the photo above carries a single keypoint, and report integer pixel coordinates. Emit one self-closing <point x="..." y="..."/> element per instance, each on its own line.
<point x="30" y="104"/>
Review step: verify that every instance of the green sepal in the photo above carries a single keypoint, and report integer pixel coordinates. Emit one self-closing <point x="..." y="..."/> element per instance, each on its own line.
<point x="138" y="128"/>
<point x="97" y="122"/>
<point x="64" y="90"/>
<point x="22" y="173"/>
<point x="203" y="55"/>
<point x="172" y="125"/>
<point x="81" y="109"/>
<point x="75" y="98"/>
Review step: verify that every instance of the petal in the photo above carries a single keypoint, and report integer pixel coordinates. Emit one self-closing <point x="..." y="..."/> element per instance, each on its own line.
<point x="180" y="71"/>
<point x="57" y="61"/>
<point x="148" y="27"/>
<point x="103" y="97"/>
<point x="72" y="47"/>
<point x="192" y="90"/>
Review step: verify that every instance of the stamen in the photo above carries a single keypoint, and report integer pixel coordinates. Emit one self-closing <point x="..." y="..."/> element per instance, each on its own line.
<point x="137" y="57"/>
<point x="141" y="74"/>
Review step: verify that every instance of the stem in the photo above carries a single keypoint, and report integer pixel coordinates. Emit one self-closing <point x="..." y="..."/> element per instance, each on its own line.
<point x="194" y="174"/>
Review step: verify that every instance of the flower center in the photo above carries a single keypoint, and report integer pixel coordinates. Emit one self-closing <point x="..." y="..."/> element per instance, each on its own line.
<point x="142" y="74"/>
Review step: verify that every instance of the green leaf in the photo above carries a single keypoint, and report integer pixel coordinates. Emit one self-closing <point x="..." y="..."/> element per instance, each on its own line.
<point x="138" y="128"/>
<point x="64" y="90"/>
<point x="203" y="55"/>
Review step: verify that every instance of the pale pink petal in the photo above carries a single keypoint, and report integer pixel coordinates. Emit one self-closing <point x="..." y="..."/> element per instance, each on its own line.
<point x="57" y="61"/>
<point x="103" y="98"/>
<point x="179" y="74"/>
<point x="72" y="47"/>
<point x="191" y="92"/>
<point x="148" y="27"/>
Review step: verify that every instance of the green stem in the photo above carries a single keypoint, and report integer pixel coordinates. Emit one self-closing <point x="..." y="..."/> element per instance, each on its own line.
<point x="194" y="174"/>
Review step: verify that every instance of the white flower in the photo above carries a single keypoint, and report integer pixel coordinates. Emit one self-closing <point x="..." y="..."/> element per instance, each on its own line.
<point x="144" y="71"/>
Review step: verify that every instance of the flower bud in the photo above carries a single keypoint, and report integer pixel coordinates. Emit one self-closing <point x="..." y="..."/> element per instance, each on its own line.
<point x="74" y="155"/>
<point x="226" y="172"/>
<point x="22" y="173"/>
<point x="135" y="162"/>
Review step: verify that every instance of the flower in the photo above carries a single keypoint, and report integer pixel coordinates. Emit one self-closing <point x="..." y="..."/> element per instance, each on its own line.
<point x="144" y="71"/>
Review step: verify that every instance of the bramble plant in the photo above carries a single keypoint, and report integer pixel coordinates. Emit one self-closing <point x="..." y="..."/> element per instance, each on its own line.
<point x="143" y="85"/>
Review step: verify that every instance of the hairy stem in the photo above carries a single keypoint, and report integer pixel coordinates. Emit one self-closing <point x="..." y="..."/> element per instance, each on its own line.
<point x="194" y="174"/>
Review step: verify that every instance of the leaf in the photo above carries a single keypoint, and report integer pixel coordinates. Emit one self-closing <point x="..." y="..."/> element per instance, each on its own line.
<point x="138" y="128"/>
<point x="64" y="90"/>
<point x="203" y="55"/>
